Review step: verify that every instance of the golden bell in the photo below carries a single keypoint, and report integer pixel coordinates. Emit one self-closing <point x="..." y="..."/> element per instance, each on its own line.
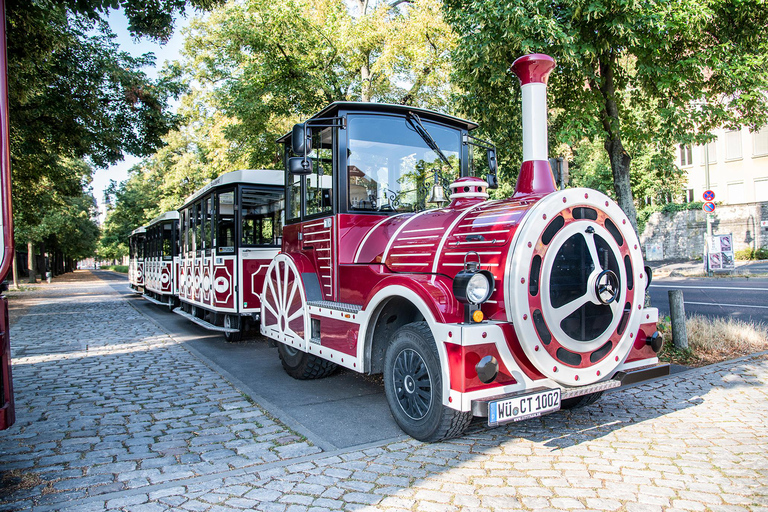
<point x="437" y="195"/>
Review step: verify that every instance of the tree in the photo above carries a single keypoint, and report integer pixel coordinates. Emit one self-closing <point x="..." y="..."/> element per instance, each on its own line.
<point x="73" y="96"/>
<point x="267" y="64"/>
<point x="633" y="74"/>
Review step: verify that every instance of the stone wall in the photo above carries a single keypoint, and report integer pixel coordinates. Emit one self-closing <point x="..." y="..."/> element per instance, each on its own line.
<point x="680" y="235"/>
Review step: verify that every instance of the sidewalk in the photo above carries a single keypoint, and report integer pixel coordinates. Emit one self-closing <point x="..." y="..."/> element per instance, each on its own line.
<point x="695" y="268"/>
<point x="114" y="414"/>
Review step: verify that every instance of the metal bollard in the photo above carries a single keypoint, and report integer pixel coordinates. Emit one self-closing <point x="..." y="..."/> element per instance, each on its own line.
<point x="677" y="317"/>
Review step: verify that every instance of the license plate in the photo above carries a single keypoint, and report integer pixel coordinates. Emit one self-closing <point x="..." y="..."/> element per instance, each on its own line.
<point x="523" y="407"/>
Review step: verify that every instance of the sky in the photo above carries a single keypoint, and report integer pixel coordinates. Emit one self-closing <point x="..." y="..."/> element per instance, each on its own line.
<point x="166" y="52"/>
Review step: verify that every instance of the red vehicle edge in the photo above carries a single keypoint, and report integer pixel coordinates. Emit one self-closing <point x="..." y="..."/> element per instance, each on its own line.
<point x="7" y="411"/>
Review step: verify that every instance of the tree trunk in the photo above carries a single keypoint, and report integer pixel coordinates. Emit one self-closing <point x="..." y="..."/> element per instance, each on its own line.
<point x="620" y="159"/>
<point x="31" y="262"/>
<point x="15" y="272"/>
<point x="620" y="165"/>
<point x="365" y="77"/>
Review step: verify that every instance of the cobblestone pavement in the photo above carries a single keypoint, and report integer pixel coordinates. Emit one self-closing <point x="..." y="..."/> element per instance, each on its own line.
<point x="119" y="411"/>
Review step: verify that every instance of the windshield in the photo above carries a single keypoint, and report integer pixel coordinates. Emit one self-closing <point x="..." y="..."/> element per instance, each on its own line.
<point x="390" y="167"/>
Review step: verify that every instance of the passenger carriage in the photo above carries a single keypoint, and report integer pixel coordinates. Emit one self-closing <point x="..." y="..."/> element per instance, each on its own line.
<point x="229" y="232"/>
<point x="161" y="262"/>
<point x="136" y="249"/>
<point x="505" y="309"/>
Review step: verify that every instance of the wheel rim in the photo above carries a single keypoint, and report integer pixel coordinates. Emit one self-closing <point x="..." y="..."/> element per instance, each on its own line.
<point x="289" y="351"/>
<point x="413" y="384"/>
<point x="228" y="322"/>
<point x="283" y="303"/>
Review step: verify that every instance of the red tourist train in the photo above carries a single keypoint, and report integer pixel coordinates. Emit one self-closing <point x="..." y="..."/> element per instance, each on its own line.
<point x="505" y="309"/>
<point x="161" y="260"/>
<point x="229" y="232"/>
<point x="136" y="250"/>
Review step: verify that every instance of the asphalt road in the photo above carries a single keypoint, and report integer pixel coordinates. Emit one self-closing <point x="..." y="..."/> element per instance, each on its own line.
<point x="738" y="297"/>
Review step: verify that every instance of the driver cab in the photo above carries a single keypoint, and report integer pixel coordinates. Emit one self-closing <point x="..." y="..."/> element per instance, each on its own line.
<point x="354" y="163"/>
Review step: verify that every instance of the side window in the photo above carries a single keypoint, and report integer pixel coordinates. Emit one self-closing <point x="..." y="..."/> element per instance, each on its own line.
<point x="199" y="241"/>
<point x="294" y="197"/>
<point x="167" y="241"/>
<point x="319" y="184"/>
<point x="207" y="225"/>
<point x="182" y="232"/>
<point x="225" y="222"/>
<point x="261" y="211"/>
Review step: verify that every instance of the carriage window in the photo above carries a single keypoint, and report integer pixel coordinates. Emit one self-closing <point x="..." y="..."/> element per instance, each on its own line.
<point x="140" y="246"/>
<point x="391" y="168"/>
<point x="261" y="211"/>
<point x="225" y="222"/>
<point x="168" y="241"/>
<point x="198" y="226"/>
<point x="294" y="196"/>
<point x="183" y="231"/>
<point x="207" y="225"/>
<point x="319" y="184"/>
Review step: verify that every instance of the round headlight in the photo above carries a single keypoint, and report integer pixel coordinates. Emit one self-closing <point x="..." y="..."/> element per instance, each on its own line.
<point x="478" y="288"/>
<point x="472" y="286"/>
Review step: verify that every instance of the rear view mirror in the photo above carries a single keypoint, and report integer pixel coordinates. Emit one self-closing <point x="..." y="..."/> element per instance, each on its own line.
<point x="299" y="165"/>
<point x="493" y="167"/>
<point x="300" y="143"/>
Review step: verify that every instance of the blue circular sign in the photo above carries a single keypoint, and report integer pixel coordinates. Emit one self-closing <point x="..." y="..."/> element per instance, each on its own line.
<point x="709" y="207"/>
<point x="709" y="195"/>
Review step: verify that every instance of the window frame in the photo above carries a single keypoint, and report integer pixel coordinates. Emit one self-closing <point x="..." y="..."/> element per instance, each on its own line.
<point x="239" y="215"/>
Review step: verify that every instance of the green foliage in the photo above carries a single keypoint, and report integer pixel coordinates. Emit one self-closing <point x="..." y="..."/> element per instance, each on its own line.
<point x="265" y="65"/>
<point x="761" y="253"/>
<point x="639" y="77"/>
<point x="123" y="269"/>
<point x="75" y="98"/>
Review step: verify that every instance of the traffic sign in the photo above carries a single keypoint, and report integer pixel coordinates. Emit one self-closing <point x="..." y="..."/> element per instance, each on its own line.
<point x="709" y="195"/>
<point x="709" y="207"/>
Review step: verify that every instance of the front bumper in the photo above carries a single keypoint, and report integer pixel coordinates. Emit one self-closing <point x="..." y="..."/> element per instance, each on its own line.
<point x="621" y="379"/>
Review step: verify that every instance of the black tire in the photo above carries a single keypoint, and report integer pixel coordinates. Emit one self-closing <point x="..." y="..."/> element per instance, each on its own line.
<point x="233" y="322"/>
<point x="413" y="383"/>
<point x="303" y="366"/>
<point x="580" y="401"/>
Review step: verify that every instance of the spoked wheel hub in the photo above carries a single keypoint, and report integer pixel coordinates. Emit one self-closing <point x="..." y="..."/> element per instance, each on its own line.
<point x="575" y="286"/>
<point x="412" y="383"/>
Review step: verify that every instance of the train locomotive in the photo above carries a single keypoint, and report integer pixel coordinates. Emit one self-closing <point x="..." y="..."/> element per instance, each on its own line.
<point x="505" y="309"/>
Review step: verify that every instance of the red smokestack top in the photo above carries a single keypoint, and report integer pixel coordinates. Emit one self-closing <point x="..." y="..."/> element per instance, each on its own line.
<point x="535" y="174"/>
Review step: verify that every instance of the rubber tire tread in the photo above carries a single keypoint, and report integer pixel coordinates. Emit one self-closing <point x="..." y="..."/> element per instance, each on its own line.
<point x="452" y="423"/>
<point x="580" y="401"/>
<point x="309" y="366"/>
<point x="234" y="337"/>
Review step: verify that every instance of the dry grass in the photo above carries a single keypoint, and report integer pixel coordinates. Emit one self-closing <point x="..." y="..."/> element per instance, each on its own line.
<point x="711" y="340"/>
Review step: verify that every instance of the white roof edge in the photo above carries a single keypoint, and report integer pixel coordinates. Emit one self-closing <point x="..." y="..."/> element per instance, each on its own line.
<point x="272" y="177"/>
<point x="139" y="230"/>
<point x="171" y="215"/>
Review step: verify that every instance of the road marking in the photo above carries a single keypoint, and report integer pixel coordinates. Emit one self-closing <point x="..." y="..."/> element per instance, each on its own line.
<point x="729" y="305"/>
<point x="709" y="287"/>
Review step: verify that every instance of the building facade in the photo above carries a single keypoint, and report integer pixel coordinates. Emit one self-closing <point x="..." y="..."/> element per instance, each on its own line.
<point x="738" y="167"/>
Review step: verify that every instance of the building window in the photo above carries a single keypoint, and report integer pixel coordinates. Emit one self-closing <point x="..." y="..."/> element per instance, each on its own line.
<point x="761" y="189"/>
<point x="760" y="142"/>
<point x="689" y="195"/>
<point x="733" y="145"/>
<point x="736" y="193"/>
<point x="686" y="155"/>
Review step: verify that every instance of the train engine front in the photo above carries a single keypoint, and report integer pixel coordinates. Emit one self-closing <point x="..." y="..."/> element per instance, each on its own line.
<point x="506" y="309"/>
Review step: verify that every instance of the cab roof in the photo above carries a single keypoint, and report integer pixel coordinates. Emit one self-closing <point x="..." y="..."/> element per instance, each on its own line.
<point x="172" y="215"/>
<point x="334" y="108"/>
